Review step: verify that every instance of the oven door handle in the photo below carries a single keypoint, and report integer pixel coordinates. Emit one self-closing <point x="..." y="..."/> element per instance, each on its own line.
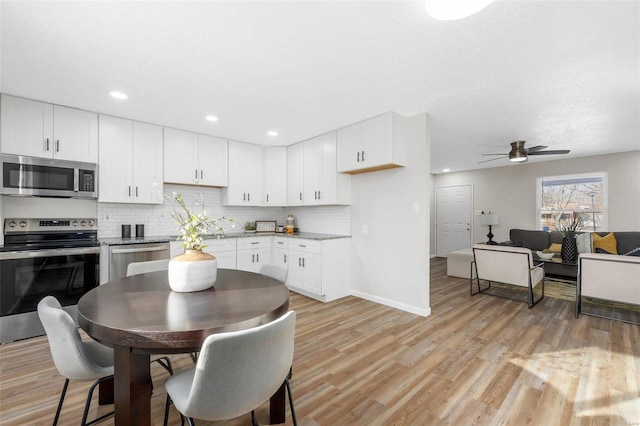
<point x="28" y="254"/>
<point x="138" y="250"/>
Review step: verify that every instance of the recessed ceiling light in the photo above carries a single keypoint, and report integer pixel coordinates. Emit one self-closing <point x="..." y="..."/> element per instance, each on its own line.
<point x="450" y="10"/>
<point x="211" y="118"/>
<point x="119" y="95"/>
<point x="272" y="133"/>
<point x="446" y="170"/>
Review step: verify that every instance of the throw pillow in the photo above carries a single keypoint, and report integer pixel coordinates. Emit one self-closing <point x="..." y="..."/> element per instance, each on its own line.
<point x="607" y="243"/>
<point x="555" y="248"/>
<point x="584" y="243"/>
<point x="634" y="252"/>
<point x="602" y="251"/>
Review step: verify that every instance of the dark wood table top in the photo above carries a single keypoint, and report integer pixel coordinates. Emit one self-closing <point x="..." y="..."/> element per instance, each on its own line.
<point x="141" y="312"/>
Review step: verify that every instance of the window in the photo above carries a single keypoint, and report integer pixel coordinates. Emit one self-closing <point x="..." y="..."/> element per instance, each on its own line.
<point x="560" y="197"/>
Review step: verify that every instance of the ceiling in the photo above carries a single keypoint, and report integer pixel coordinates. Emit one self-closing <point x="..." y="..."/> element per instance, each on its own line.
<point x="560" y="73"/>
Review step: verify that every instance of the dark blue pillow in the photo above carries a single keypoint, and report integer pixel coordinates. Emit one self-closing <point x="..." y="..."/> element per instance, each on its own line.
<point x="601" y="250"/>
<point x="635" y="252"/>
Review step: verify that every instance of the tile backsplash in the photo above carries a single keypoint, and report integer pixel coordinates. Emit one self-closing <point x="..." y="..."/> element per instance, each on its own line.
<point x="158" y="221"/>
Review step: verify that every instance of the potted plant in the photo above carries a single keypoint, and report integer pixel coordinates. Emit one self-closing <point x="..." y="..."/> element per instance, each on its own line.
<point x="569" y="229"/>
<point x="194" y="270"/>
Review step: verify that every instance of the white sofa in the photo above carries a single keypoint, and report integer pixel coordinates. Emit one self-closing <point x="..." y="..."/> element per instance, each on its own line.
<point x="509" y="265"/>
<point x="608" y="276"/>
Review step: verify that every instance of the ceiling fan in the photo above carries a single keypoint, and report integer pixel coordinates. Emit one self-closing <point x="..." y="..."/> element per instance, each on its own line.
<point x="519" y="154"/>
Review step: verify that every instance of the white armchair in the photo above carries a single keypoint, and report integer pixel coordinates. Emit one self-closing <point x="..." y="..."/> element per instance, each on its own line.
<point x="609" y="277"/>
<point x="508" y="265"/>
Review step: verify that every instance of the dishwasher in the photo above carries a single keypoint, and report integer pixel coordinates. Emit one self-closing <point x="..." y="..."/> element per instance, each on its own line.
<point x="121" y="255"/>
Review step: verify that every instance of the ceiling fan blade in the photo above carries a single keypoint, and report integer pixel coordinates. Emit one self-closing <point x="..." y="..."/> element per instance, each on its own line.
<point x="492" y="159"/>
<point x="497" y="154"/>
<point x="550" y="152"/>
<point x="536" y="148"/>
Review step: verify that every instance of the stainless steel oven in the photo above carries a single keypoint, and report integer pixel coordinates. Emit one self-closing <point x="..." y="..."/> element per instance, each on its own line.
<point x="47" y="177"/>
<point x="41" y="257"/>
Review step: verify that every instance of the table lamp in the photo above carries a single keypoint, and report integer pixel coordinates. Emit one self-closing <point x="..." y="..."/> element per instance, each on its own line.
<point x="490" y="219"/>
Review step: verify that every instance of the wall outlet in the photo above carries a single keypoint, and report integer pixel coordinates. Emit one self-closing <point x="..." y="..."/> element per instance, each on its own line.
<point x="106" y="216"/>
<point x="364" y="229"/>
<point x="415" y="207"/>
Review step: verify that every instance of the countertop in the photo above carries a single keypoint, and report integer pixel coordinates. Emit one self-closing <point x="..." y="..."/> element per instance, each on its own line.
<point x="165" y="239"/>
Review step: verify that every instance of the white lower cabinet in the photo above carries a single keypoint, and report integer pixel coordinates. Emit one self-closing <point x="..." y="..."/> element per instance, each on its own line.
<point x="280" y="251"/>
<point x="253" y="253"/>
<point x="224" y="249"/>
<point x="320" y="269"/>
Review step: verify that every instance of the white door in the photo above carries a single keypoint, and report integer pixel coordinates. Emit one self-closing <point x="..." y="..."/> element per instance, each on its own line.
<point x="453" y="218"/>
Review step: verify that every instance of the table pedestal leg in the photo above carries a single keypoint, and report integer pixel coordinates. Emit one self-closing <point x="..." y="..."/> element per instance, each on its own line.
<point x="276" y="406"/>
<point x="132" y="378"/>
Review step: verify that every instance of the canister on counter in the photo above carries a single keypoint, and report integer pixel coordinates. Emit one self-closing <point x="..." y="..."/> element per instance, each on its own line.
<point x="290" y="224"/>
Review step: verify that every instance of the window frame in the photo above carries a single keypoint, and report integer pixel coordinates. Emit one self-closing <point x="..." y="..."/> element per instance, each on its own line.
<point x="605" y="197"/>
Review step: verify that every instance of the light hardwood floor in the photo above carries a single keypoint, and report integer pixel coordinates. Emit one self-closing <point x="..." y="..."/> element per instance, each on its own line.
<point x="476" y="360"/>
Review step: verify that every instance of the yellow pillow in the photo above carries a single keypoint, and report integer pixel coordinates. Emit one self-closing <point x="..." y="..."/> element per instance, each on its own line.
<point x="555" y="248"/>
<point x="607" y="243"/>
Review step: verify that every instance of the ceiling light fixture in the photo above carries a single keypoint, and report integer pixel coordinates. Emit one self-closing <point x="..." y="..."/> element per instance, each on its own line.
<point x="119" y="95"/>
<point x="450" y="10"/>
<point x="212" y="118"/>
<point x="446" y="170"/>
<point x="272" y="133"/>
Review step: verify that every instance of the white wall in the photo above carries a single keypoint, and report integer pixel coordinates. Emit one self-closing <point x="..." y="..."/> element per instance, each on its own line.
<point x="510" y="191"/>
<point x="390" y="263"/>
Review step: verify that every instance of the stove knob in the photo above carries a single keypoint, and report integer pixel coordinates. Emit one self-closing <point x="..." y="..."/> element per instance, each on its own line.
<point x="74" y="223"/>
<point x="91" y="223"/>
<point x="83" y="223"/>
<point x="23" y="224"/>
<point x="12" y="224"/>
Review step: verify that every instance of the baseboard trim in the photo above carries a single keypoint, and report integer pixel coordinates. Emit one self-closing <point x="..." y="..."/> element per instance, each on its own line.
<point x="424" y="312"/>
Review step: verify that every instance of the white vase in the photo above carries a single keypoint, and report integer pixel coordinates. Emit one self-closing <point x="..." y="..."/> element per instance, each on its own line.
<point x="192" y="271"/>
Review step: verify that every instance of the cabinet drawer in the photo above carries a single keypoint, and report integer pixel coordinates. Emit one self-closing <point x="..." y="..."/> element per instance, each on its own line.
<point x="250" y="243"/>
<point x="305" y="246"/>
<point x="280" y="242"/>
<point x="222" y="244"/>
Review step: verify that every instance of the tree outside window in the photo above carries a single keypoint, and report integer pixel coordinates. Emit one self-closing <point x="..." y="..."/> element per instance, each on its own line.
<point x="561" y="197"/>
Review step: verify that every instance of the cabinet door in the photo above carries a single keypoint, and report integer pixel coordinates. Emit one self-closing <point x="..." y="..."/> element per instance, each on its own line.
<point x="312" y="270"/>
<point x="116" y="160"/>
<point x="349" y="147"/>
<point x="148" y="164"/>
<point x="213" y="161"/>
<point x="26" y="127"/>
<point x="253" y="174"/>
<point x="312" y="171"/>
<point x="274" y="171"/>
<point x="236" y="193"/>
<point x="296" y="277"/>
<point x="377" y="141"/>
<point x="295" y="175"/>
<point x="280" y="257"/>
<point x="251" y="260"/>
<point x="75" y="134"/>
<point x="180" y="157"/>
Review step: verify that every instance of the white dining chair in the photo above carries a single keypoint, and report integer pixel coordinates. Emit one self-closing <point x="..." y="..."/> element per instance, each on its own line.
<point x="77" y="359"/>
<point x="236" y="373"/>
<point x="136" y="268"/>
<point x="277" y="272"/>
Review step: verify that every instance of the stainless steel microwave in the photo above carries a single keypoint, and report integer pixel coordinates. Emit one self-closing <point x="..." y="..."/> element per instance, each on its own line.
<point x="23" y="175"/>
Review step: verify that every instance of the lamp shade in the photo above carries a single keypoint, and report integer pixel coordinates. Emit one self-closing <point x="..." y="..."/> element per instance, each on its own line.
<point x="490" y="219"/>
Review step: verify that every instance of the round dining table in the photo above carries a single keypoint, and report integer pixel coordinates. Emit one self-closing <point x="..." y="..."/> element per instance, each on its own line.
<point x="139" y="315"/>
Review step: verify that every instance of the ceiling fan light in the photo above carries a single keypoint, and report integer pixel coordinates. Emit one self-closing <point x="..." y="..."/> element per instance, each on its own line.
<point x="450" y="10"/>
<point x="518" y="157"/>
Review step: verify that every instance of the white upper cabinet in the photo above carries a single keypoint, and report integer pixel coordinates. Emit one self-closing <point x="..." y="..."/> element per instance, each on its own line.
<point x="44" y="130"/>
<point x="274" y="179"/>
<point x="322" y="183"/>
<point x="245" y="174"/>
<point x="213" y="154"/>
<point x="194" y="159"/>
<point x="295" y="175"/>
<point x="375" y="144"/>
<point x="312" y="178"/>
<point x="131" y="162"/>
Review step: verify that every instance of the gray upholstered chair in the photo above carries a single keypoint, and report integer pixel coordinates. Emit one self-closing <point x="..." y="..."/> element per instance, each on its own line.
<point x="236" y="373"/>
<point x="508" y="265"/>
<point x="136" y="268"/>
<point x="74" y="358"/>
<point x="77" y="359"/>
<point x="274" y="271"/>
